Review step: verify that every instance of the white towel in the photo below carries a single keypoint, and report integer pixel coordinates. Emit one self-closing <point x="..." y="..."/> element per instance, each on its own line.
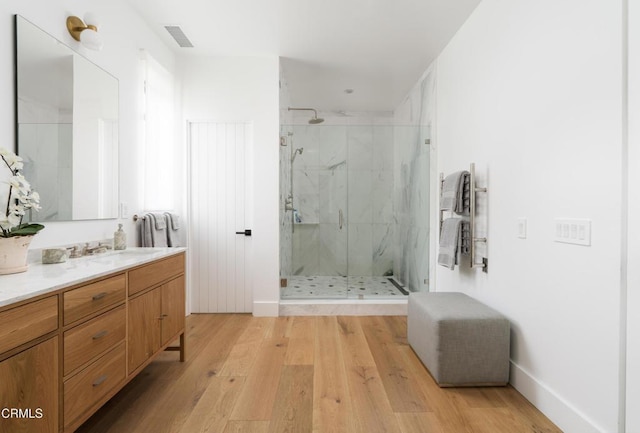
<point x="144" y="228"/>
<point x="158" y="235"/>
<point x="173" y="226"/>
<point x="174" y="220"/>
<point x="456" y="193"/>
<point x="454" y="239"/>
<point x="160" y="222"/>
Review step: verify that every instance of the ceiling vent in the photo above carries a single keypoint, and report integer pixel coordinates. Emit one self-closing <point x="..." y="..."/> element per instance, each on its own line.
<point x="177" y="34"/>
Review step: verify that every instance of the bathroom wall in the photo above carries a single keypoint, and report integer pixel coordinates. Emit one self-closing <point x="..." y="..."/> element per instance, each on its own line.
<point x="346" y="166"/>
<point x="414" y="169"/>
<point x="632" y="171"/>
<point x="533" y="95"/>
<point x="120" y="58"/>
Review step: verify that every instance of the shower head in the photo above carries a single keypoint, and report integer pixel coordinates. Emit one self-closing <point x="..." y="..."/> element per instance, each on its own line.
<point x="296" y="152"/>
<point x="314" y="120"/>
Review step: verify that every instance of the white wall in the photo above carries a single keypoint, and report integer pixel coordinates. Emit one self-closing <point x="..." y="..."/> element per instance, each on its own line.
<point x="532" y="93"/>
<point x="120" y="58"/>
<point x="633" y="257"/>
<point x="229" y="89"/>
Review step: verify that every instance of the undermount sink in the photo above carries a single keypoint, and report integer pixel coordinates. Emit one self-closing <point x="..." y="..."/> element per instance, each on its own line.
<point x="140" y="252"/>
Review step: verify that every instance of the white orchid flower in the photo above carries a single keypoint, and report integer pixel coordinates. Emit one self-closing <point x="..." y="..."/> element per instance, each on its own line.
<point x="21" y="196"/>
<point x="17" y="209"/>
<point x="5" y="224"/>
<point x="20" y="184"/>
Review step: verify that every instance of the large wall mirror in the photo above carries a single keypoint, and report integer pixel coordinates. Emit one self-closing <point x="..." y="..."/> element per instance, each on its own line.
<point x="67" y="128"/>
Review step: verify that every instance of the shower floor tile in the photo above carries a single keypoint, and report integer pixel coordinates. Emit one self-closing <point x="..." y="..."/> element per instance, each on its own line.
<point x="334" y="287"/>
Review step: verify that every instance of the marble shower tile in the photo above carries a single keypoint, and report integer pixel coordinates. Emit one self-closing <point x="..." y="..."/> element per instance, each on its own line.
<point x="382" y="158"/>
<point x="332" y="195"/>
<point x="305" y="249"/>
<point x="332" y="254"/>
<point x="306" y="138"/>
<point x="359" y="196"/>
<point x="382" y="243"/>
<point x="360" y="144"/>
<point x="382" y="196"/>
<point x="306" y="193"/>
<point x="332" y="151"/>
<point x="360" y="249"/>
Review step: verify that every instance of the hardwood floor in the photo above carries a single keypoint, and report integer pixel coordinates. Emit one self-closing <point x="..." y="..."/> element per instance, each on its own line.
<point x="305" y="374"/>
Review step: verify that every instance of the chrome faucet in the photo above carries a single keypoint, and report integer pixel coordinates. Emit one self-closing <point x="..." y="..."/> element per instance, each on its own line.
<point x="100" y="248"/>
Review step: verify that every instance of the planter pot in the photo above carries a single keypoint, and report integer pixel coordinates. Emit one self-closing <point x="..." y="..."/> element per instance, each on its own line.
<point x="13" y="254"/>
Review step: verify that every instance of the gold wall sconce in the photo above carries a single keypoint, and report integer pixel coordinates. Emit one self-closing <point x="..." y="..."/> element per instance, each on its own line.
<point x="87" y="34"/>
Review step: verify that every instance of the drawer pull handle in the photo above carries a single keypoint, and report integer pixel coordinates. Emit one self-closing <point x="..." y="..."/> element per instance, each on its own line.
<point x="100" y="334"/>
<point x="99" y="296"/>
<point x="99" y="380"/>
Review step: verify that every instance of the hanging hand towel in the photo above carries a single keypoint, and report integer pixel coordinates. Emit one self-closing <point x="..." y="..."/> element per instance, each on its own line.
<point x="172" y="220"/>
<point x="456" y="193"/>
<point x="453" y="239"/>
<point x="158" y="230"/>
<point x="144" y="228"/>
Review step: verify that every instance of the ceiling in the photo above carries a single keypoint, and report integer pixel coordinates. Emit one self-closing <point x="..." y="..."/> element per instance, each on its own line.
<point x="378" y="48"/>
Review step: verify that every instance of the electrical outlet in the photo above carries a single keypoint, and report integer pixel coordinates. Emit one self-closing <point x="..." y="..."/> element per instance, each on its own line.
<point x="573" y="231"/>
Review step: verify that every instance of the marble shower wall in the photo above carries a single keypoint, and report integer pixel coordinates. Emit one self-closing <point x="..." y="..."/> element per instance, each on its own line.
<point x="413" y="120"/>
<point x="346" y="167"/>
<point x="286" y="223"/>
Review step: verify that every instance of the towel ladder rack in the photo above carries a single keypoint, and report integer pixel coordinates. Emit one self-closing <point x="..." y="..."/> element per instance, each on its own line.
<point x="472" y="216"/>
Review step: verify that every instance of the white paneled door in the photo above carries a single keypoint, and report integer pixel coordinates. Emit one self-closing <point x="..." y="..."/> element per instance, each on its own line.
<point x="218" y="245"/>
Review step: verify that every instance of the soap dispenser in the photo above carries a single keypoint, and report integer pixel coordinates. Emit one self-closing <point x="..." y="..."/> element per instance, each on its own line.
<point x="119" y="239"/>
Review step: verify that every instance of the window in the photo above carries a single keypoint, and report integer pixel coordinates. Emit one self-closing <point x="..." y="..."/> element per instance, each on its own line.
<point x="159" y="137"/>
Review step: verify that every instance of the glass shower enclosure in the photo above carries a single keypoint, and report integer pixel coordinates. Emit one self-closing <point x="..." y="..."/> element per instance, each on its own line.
<point x="340" y="229"/>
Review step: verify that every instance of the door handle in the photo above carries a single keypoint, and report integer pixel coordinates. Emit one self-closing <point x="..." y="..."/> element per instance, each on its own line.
<point x="246" y="232"/>
<point x="340" y="218"/>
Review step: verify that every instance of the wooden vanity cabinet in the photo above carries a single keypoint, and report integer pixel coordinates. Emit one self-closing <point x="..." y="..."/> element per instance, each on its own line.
<point x="29" y="374"/>
<point x="156" y="318"/>
<point x="64" y="355"/>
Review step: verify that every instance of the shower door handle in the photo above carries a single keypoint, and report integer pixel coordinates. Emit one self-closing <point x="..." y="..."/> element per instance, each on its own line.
<point x="340" y="218"/>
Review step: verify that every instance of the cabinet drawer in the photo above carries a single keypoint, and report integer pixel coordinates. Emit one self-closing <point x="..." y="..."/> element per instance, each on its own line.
<point x="94" y="382"/>
<point x="88" y="299"/>
<point x="27" y="322"/>
<point x="154" y="273"/>
<point x="92" y="338"/>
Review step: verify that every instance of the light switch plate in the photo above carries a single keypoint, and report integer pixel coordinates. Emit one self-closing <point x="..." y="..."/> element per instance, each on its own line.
<point x="573" y="231"/>
<point x="522" y="228"/>
<point x="124" y="210"/>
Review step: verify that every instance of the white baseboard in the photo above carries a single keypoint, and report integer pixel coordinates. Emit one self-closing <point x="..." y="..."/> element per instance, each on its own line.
<point x="266" y="309"/>
<point x="344" y="307"/>
<point x="558" y="410"/>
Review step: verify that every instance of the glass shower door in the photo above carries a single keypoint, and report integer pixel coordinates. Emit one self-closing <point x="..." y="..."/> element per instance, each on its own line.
<point x="319" y="215"/>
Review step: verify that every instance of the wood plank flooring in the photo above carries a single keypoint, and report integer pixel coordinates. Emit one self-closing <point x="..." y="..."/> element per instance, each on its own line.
<point x="248" y="374"/>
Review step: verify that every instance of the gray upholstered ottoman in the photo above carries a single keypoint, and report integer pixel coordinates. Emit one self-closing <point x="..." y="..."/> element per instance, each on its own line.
<point x="460" y="340"/>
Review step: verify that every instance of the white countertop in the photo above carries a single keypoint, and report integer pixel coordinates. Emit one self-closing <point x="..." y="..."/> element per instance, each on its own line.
<point x="40" y="279"/>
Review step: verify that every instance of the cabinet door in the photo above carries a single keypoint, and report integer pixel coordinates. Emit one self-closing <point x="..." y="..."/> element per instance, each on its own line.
<point x="172" y="308"/>
<point x="144" y="327"/>
<point x="29" y="390"/>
